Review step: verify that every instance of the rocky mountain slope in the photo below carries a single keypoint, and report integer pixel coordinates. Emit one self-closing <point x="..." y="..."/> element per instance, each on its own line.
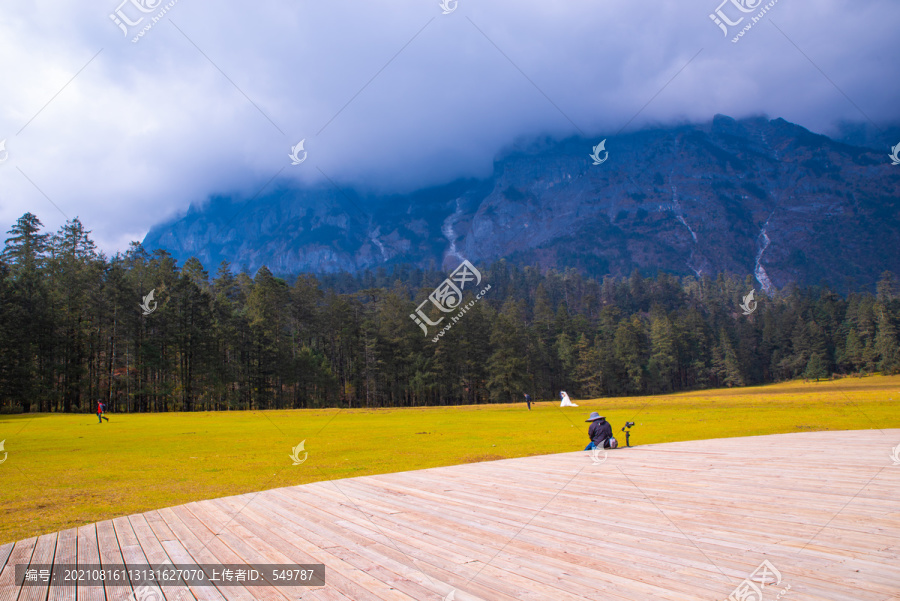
<point x="754" y="196"/>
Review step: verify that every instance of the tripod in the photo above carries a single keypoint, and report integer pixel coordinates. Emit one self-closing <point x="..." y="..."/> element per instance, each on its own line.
<point x="627" y="432"/>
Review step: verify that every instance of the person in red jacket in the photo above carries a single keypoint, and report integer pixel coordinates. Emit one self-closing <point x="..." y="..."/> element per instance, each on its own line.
<point x="101" y="409"/>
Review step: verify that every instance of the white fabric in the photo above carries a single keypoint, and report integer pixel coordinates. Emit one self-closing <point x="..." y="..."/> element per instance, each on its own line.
<point x="566" y="401"/>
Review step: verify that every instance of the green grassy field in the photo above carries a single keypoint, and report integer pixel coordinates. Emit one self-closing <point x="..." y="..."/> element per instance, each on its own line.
<point x="66" y="470"/>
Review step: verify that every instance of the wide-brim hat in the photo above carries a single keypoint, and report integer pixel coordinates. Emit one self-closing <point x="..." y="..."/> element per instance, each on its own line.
<point x="594" y="417"/>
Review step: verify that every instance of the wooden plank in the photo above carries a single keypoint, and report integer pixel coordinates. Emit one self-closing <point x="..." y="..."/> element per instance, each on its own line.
<point x="88" y="554"/>
<point x="270" y="549"/>
<point x="561" y="516"/>
<point x="44" y="551"/>
<point x="258" y="521"/>
<point x="500" y="573"/>
<point x="132" y="554"/>
<point x="66" y="554"/>
<point x="328" y="593"/>
<point x="156" y="555"/>
<point x="7" y="588"/>
<point x="5" y="551"/>
<point x="372" y="587"/>
<point x="326" y="546"/>
<point x="621" y="558"/>
<point x="181" y="556"/>
<point x="199" y="554"/>
<point x="537" y="556"/>
<point x="322" y="523"/>
<point x="21" y="554"/>
<point x="111" y="555"/>
<point x="223" y="543"/>
<point x="205" y="547"/>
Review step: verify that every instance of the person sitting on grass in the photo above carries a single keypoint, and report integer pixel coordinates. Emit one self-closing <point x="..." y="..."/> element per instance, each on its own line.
<point x="600" y="433"/>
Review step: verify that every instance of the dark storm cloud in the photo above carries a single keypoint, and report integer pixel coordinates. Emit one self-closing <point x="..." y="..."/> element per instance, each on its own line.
<point x="389" y="95"/>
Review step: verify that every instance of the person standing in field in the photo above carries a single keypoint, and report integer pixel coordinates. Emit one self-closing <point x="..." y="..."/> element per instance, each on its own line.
<point x="528" y="400"/>
<point x="101" y="409"/>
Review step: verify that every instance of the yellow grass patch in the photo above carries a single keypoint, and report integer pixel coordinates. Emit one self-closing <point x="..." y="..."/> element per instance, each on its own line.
<point x="66" y="470"/>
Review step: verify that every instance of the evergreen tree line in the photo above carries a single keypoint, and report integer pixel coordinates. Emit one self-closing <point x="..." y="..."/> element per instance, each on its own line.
<point x="72" y="331"/>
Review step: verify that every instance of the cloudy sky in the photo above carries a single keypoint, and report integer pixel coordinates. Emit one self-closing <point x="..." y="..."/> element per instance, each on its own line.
<point x="126" y="131"/>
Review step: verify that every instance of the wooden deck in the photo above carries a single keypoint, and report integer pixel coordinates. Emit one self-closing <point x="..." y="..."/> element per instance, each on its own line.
<point x="678" y="521"/>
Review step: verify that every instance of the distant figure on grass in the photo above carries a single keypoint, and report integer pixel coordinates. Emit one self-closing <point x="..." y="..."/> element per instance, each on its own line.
<point x="101" y="409"/>
<point x="600" y="433"/>
<point x="528" y="400"/>
<point x="566" y="401"/>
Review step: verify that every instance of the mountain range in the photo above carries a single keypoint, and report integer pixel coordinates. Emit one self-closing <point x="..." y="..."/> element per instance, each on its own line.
<point x="752" y="196"/>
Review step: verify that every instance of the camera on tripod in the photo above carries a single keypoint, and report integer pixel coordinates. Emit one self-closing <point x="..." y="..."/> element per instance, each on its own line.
<point x="625" y="429"/>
